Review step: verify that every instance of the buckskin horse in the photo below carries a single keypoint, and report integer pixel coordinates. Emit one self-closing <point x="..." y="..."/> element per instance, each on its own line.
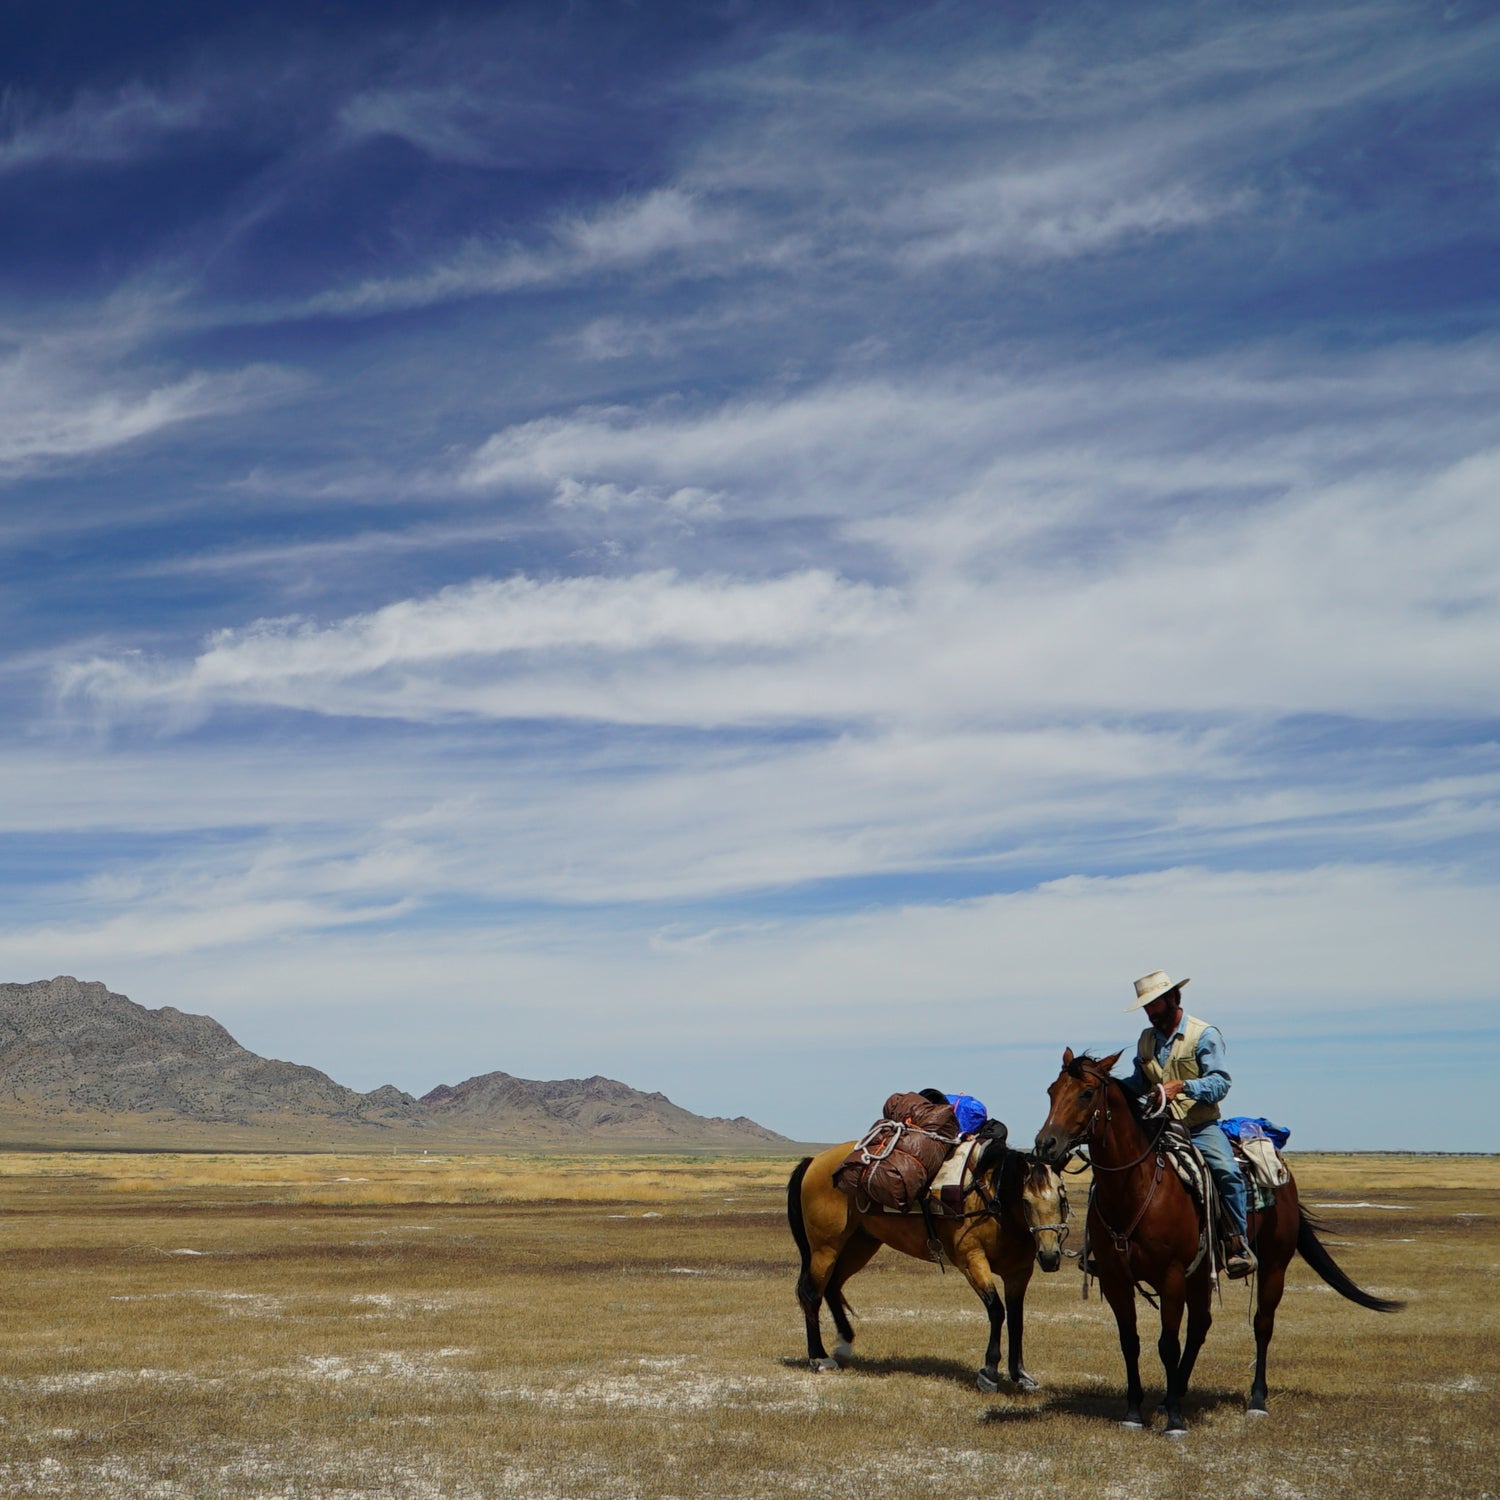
<point x="1015" y="1218"/>
<point x="1143" y="1230"/>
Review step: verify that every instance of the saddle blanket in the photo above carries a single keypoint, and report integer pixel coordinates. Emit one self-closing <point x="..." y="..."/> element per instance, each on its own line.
<point x="955" y="1180"/>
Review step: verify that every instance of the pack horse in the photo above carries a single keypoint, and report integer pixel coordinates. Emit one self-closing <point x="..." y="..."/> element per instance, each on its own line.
<point x="1014" y="1216"/>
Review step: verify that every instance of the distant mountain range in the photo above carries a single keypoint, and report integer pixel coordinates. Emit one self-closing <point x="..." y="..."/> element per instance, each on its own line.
<point x="73" y="1052"/>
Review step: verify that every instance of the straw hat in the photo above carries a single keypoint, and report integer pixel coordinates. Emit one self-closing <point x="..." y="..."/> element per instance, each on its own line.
<point x="1153" y="986"/>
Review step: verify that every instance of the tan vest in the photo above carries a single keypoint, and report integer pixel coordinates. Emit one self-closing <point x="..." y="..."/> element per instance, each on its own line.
<point x="1182" y="1062"/>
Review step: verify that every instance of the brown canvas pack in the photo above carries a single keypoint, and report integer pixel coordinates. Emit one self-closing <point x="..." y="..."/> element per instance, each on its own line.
<point x="900" y="1154"/>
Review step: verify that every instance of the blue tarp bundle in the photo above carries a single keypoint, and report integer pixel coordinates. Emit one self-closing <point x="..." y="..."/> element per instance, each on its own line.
<point x="970" y="1111"/>
<point x="1253" y="1128"/>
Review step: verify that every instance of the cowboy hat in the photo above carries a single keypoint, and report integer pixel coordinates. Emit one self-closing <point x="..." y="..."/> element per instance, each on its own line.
<point x="1153" y="986"/>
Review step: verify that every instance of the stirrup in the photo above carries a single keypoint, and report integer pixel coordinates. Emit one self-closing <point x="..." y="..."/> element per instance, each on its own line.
<point x="1239" y="1262"/>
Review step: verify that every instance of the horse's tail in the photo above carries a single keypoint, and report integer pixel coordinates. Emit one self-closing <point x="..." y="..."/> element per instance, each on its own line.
<point x="806" y="1292"/>
<point x="1312" y="1250"/>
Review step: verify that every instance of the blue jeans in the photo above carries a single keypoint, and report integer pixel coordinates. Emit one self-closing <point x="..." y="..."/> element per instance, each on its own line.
<point x="1214" y="1145"/>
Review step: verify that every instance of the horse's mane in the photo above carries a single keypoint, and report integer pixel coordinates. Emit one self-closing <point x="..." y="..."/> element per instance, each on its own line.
<point x="1082" y="1063"/>
<point x="1086" y="1068"/>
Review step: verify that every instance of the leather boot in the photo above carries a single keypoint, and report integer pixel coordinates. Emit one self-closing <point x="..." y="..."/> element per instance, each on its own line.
<point x="1239" y="1262"/>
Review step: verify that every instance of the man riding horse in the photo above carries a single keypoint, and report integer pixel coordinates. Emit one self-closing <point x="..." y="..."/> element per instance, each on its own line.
<point x="1179" y="1064"/>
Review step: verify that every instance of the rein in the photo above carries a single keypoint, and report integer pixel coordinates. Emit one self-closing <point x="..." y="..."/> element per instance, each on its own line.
<point x="1122" y="1237"/>
<point x="1093" y="1128"/>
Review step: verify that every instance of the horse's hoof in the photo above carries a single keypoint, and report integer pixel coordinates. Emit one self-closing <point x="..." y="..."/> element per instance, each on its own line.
<point x="1133" y="1424"/>
<point x="1256" y="1411"/>
<point x="823" y="1366"/>
<point x="1175" y="1433"/>
<point x="1024" y="1382"/>
<point x="988" y="1381"/>
<point x="843" y="1351"/>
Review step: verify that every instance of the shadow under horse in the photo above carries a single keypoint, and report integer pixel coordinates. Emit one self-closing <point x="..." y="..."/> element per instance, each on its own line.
<point x="1015" y="1218"/>
<point x="1143" y="1230"/>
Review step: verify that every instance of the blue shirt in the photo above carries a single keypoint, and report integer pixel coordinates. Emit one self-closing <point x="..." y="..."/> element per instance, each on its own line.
<point x="1213" y="1083"/>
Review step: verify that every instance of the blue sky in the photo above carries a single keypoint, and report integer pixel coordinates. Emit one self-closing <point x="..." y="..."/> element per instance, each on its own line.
<point x="777" y="553"/>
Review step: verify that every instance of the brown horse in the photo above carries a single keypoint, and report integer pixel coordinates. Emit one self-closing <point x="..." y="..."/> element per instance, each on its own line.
<point x="1143" y="1230"/>
<point x="1016" y="1217"/>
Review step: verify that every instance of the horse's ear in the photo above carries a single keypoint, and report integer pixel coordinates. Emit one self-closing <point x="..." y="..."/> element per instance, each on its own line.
<point x="1108" y="1063"/>
<point x="1067" y="1057"/>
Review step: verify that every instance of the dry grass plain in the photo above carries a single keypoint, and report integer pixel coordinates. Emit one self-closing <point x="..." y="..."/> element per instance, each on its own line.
<point x="339" y="1326"/>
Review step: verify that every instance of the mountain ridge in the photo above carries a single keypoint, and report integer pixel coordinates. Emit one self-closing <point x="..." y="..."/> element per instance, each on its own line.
<point x="595" y="1105"/>
<point x="72" y="1049"/>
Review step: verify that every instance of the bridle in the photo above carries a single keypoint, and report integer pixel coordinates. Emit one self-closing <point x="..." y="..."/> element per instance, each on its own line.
<point x="1061" y="1229"/>
<point x="995" y="1208"/>
<point x="1093" y="1129"/>
<point x="1098" y="1128"/>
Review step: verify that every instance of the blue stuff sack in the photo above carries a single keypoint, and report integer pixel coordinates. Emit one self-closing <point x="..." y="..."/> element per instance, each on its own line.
<point x="1253" y="1128"/>
<point x="970" y="1111"/>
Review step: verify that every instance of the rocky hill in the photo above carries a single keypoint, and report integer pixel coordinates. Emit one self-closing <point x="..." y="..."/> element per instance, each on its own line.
<point x="72" y="1051"/>
<point x="65" y="1045"/>
<point x="585" y="1107"/>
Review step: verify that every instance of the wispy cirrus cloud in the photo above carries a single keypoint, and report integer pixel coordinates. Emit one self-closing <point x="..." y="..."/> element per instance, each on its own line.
<point x="64" y="401"/>
<point x="949" y="504"/>
<point x="1235" y="514"/>
<point x="823" y="159"/>
<point x="1051" y="149"/>
<point x="444" y="120"/>
<point x="97" y="128"/>
<point x="483" y="626"/>
<point x="664" y="224"/>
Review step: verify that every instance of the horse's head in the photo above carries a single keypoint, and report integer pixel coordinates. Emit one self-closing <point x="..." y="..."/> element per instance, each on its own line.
<point x="1076" y="1097"/>
<point x="1044" y="1206"/>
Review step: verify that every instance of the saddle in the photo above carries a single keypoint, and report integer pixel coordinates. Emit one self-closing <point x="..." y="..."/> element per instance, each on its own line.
<point x="1256" y="1153"/>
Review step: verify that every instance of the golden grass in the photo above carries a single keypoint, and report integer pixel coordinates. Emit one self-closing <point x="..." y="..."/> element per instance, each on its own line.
<point x="626" y="1328"/>
<point x="365" y="1179"/>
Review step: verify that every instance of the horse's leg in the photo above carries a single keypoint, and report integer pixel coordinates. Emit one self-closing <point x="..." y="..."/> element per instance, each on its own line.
<point x="1199" y="1320"/>
<point x="1271" y="1283"/>
<point x="1173" y="1299"/>
<point x="1119" y="1292"/>
<point x="1015" y="1301"/>
<point x="853" y="1258"/>
<point x="810" y="1287"/>
<point x="976" y="1268"/>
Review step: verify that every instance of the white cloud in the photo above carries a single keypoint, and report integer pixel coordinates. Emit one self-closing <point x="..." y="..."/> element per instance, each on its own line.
<point x="1207" y="538"/>
<point x="293" y="662"/>
<point x="943" y="623"/>
<point x="988" y="977"/>
<point x="444" y="120"/>
<point x="1024" y="154"/>
<point x="153" y="931"/>
<point x="47" y="425"/>
<point x="628" y="235"/>
<point x="578" y="820"/>
<point x="76" y="392"/>
<point x="97" y="128"/>
<point x="1077" y="141"/>
<point x="1051" y="214"/>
